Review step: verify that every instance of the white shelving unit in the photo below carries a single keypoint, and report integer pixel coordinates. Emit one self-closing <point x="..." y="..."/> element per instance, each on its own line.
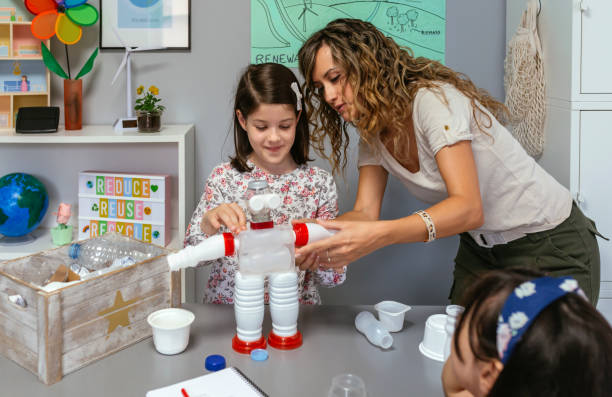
<point x="13" y="35"/>
<point x="56" y="159"/>
<point x="575" y="36"/>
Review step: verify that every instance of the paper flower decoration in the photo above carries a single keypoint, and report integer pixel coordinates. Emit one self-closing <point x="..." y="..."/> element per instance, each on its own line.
<point x="63" y="213"/>
<point x="62" y="18"/>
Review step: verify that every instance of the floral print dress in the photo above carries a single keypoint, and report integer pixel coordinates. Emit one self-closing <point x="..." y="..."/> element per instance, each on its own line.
<point x="306" y="192"/>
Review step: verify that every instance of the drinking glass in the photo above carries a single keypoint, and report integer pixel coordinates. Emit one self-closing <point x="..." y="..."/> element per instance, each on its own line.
<point x="347" y="385"/>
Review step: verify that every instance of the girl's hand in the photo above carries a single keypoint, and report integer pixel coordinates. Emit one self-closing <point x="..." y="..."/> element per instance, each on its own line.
<point x="353" y="240"/>
<point x="229" y="215"/>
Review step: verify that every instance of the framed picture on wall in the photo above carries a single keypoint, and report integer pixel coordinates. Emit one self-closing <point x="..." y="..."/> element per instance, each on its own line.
<point x="145" y="23"/>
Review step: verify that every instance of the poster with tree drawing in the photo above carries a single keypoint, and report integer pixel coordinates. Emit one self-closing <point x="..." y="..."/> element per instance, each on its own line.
<point x="279" y="27"/>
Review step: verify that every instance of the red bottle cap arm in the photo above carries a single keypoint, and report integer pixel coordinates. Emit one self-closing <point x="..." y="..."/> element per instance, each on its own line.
<point x="301" y="234"/>
<point x="228" y="238"/>
<point x="262" y="225"/>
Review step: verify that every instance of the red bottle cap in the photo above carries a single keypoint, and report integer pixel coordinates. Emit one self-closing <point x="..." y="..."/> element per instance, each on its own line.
<point x="262" y="225"/>
<point x="228" y="238"/>
<point x="301" y="234"/>
<point x="285" y="342"/>
<point x="246" y="347"/>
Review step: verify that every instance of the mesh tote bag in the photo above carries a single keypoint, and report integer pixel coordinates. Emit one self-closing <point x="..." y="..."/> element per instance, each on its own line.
<point x="524" y="83"/>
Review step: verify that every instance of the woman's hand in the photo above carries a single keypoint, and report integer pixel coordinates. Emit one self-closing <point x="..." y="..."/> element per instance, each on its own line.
<point x="229" y="215"/>
<point x="353" y="240"/>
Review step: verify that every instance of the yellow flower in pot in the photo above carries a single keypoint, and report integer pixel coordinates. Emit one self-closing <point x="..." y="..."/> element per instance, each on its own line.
<point x="148" y="110"/>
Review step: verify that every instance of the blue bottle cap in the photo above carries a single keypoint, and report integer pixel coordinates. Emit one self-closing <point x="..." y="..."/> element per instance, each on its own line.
<point x="214" y="362"/>
<point x="259" y="354"/>
<point x="73" y="250"/>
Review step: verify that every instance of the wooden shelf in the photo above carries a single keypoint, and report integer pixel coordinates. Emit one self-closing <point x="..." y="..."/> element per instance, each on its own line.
<point x="22" y="58"/>
<point x="11" y="93"/>
<point x="99" y="134"/>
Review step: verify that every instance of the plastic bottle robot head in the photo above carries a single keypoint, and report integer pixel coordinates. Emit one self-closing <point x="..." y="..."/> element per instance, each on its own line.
<point x="260" y="201"/>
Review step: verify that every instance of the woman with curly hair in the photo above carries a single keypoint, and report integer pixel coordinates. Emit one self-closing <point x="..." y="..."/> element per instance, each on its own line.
<point x="440" y="135"/>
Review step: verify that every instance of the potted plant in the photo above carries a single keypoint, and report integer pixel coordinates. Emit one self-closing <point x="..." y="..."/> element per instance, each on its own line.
<point x="62" y="233"/>
<point x="148" y="111"/>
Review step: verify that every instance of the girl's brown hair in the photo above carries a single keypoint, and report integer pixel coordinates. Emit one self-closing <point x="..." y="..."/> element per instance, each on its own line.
<point x="267" y="83"/>
<point x="567" y="350"/>
<point x="385" y="79"/>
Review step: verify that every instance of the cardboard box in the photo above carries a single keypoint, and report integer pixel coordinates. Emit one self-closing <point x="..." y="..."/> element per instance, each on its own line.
<point x="135" y="205"/>
<point x="61" y="331"/>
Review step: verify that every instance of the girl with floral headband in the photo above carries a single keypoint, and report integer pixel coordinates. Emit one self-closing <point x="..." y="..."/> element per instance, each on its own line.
<point x="526" y="335"/>
<point x="272" y="142"/>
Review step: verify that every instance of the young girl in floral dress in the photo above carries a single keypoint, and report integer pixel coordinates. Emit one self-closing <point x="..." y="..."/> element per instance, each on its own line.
<point x="272" y="141"/>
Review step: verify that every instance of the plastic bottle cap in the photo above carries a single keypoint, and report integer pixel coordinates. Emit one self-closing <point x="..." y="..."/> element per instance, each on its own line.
<point x="214" y="362"/>
<point x="73" y="250"/>
<point x="259" y="355"/>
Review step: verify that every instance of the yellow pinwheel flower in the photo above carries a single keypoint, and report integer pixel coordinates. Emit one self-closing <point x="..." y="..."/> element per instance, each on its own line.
<point x="139" y="90"/>
<point x="154" y="90"/>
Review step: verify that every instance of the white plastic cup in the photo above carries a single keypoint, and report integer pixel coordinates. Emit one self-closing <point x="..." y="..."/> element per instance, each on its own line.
<point x="391" y="314"/>
<point x="452" y="312"/>
<point x="249" y="282"/>
<point x="248" y="297"/>
<point x="283" y="301"/>
<point x="284" y="279"/>
<point x="247" y="304"/>
<point x="434" y="337"/>
<point x="284" y="318"/>
<point x="283" y="290"/>
<point x="248" y="322"/>
<point x="373" y="330"/>
<point x="347" y="385"/>
<point x="246" y="292"/>
<point x="171" y="329"/>
<point x="283" y="295"/>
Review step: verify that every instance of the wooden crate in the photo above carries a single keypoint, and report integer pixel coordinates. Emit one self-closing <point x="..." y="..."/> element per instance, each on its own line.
<point x="61" y="331"/>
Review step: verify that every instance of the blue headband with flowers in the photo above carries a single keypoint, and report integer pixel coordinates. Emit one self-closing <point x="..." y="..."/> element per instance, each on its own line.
<point x="523" y="306"/>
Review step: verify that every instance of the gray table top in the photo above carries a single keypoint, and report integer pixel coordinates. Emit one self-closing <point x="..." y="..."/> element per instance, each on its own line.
<point x="331" y="346"/>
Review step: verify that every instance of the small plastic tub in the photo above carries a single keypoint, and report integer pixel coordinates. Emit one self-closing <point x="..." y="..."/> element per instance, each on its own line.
<point x="391" y="314"/>
<point x="434" y="337"/>
<point x="171" y="329"/>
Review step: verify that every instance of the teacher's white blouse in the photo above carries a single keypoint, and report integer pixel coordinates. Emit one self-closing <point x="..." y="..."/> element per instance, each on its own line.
<point x="517" y="194"/>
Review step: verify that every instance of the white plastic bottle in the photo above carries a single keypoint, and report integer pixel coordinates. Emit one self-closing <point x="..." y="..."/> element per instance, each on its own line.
<point x="368" y="325"/>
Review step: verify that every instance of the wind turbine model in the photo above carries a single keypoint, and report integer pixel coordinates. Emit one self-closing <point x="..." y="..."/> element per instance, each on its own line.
<point x="128" y="123"/>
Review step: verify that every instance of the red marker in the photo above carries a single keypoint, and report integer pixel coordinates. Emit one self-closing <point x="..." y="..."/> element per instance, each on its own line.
<point x="184" y="393"/>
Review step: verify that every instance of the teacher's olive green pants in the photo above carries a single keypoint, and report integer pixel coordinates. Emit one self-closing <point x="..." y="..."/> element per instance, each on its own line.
<point x="570" y="249"/>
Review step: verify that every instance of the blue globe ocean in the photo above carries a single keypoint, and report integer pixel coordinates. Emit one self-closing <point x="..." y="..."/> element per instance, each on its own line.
<point x="23" y="204"/>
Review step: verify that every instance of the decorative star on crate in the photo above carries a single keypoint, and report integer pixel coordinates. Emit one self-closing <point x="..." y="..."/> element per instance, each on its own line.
<point x="118" y="314"/>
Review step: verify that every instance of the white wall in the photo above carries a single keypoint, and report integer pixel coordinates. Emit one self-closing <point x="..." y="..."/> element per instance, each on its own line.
<point x="197" y="87"/>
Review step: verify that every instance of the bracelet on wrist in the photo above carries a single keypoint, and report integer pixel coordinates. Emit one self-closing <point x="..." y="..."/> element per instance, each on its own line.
<point x="431" y="227"/>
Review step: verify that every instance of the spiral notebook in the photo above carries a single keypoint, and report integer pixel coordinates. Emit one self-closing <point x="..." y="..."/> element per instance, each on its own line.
<point x="228" y="382"/>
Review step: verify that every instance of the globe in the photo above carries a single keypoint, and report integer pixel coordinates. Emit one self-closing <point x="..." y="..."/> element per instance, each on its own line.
<point x="23" y="204"/>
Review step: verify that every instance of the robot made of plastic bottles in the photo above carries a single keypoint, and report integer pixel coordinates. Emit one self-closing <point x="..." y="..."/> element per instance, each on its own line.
<point x="264" y="249"/>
